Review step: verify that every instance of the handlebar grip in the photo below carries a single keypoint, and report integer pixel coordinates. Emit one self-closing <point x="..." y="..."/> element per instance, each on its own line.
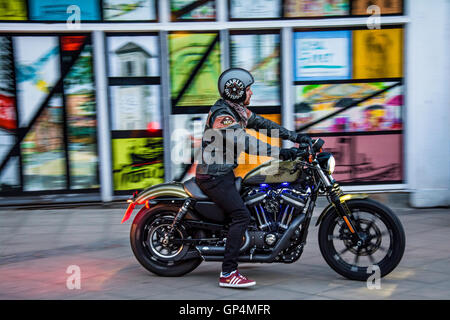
<point x="302" y="152"/>
<point x="317" y="145"/>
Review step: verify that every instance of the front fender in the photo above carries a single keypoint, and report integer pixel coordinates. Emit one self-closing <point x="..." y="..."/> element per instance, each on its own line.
<point x="166" y="190"/>
<point x="344" y="198"/>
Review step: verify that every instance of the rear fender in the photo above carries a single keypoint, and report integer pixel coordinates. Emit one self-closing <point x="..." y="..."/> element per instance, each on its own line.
<point x="173" y="191"/>
<point x="344" y="198"/>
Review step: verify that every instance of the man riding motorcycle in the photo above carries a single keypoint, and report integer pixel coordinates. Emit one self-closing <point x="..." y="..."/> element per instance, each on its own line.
<point x="214" y="174"/>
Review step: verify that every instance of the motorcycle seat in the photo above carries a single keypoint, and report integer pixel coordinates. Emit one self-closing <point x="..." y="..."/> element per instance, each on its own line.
<point x="194" y="191"/>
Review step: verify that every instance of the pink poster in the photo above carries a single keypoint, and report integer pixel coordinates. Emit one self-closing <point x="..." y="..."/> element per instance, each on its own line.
<point x="366" y="158"/>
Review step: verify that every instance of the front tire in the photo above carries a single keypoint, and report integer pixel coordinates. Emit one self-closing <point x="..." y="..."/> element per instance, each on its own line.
<point x="156" y="259"/>
<point x="384" y="247"/>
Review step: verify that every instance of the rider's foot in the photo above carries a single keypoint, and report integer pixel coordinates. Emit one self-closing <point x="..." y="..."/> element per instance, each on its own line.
<point x="235" y="280"/>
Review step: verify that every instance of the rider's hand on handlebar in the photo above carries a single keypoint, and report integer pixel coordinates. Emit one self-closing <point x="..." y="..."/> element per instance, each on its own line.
<point x="311" y="147"/>
<point x="288" y="154"/>
<point x="303" y="139"/>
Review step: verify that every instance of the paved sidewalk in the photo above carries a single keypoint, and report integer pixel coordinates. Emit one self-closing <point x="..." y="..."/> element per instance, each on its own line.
<point x="37" y="246"/>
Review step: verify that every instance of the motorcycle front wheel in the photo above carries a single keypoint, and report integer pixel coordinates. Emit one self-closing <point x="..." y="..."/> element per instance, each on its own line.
<point x="382" y="247"/>
<point x="150" y="249"/>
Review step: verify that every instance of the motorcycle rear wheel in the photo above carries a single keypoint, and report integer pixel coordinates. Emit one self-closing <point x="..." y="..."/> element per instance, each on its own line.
<point x="385" y="234"/>
<point x="153" y="257"/>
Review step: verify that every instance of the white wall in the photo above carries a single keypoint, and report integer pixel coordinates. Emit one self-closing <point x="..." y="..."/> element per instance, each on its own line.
<point x="427" y="133"/>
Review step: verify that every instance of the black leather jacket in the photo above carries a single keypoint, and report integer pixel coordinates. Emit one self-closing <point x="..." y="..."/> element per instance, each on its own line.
<point x="223" y="120"/>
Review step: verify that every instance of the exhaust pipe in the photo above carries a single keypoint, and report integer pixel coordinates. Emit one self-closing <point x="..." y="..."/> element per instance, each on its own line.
<point x="216" y="250"/>
<point x="267" y="258"/>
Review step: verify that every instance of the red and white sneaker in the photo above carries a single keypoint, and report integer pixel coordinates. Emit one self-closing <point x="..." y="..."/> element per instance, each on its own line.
<point x="235" y="280"/>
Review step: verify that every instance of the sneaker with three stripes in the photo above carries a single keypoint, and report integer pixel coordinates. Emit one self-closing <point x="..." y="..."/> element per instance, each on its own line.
<point x="235" y="280"/>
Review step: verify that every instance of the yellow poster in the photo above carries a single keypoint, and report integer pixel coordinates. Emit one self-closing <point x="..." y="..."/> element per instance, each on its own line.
<point x="377" y="53"/>
<point x="13" y="10"/>
<point x="138" y="163"/>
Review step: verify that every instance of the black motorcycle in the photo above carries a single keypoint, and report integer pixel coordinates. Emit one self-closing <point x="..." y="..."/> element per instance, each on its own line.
<point x="178" y="227"/>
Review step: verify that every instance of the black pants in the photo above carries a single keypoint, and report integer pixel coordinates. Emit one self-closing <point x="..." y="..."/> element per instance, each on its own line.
<point x="222" y="190"/>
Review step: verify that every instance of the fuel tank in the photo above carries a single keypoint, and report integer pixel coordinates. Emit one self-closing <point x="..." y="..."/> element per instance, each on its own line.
<point x="272" y="171"/>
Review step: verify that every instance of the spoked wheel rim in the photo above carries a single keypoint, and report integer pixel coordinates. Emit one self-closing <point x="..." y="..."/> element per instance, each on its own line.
<point x="164" y="248"/>
<point x="374" y="249"/>
<point x="158" y="243"/>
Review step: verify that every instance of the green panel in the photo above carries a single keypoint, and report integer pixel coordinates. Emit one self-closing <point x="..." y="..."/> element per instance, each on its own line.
<point x="186" y="51"/>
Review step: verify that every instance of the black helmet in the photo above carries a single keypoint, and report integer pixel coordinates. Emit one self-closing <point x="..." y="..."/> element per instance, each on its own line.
<point x="233" y="84"/>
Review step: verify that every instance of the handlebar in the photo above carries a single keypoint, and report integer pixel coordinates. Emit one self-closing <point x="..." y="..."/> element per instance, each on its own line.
<point x="310" y="148"/>
<point x="317" y="145"/>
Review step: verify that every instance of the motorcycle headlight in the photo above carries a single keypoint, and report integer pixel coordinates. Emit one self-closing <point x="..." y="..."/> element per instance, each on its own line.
<point x="331" y="164"/>
<point x="326" y="161"/>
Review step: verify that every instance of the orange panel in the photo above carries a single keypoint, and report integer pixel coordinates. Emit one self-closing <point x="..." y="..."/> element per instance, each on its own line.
<point x="248" y="162"/>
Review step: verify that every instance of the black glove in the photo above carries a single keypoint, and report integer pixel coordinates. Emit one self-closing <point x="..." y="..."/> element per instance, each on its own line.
<point x="288" y="154"/>
<point x="303" y="138"/>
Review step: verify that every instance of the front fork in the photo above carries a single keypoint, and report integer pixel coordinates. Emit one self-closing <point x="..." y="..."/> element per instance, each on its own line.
<point x="339" y="202"/>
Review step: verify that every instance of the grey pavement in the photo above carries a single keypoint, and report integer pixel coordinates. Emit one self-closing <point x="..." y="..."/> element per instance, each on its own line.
<point x="39" y="244"/>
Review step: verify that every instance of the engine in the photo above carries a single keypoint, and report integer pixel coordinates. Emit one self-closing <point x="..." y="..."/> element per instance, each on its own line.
<point x="274" y="208"/>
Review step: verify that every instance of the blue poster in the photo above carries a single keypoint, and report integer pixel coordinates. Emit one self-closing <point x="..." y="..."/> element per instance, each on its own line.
<point x="64" y="10"/>
<point x="322" y="55"/>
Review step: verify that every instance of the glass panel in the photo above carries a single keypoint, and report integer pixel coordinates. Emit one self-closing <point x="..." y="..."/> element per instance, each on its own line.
<point x="366" y="158"/>
<point x="133" y="56"/>
<point x="322" y="55"/>
<point x="316" y="8"/>
<point x="6" y="143"/>
<point x="378" y="53"/>
<point x="43" y="156"/>
<point x="186" y="52"/>
<point x="37" y="71"/>
<point x="51" y="10"/>
<point x="185" y="141"/>
<point x="136" y="107"/>
<point x="192" y="10"/>
<point x="360" y="7"/>
<point x="9" y="177"/>
<point x="123" y="10"/>
<point x="245" y="9"/>
<point x="13" y="10"/>
<point x="382" y="113"/>
<point x="8" y="122"/>
<point x="79" y="91"/>
<point x="259" y="54"/>
<point x="138" y="163"/>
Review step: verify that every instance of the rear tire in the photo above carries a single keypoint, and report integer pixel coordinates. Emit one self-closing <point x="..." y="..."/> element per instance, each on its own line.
<point x="375" y="212"/>
<point x="146" y="254"/>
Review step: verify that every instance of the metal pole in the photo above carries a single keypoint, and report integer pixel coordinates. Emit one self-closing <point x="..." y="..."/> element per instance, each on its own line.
<point x="287" y="98"/>
<point x="222" y="11"/>
<point x="224" y="50"/>
<point x="166" y="104"/>
<point x="103" y="129"/>
<point x="164" y="11"/>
